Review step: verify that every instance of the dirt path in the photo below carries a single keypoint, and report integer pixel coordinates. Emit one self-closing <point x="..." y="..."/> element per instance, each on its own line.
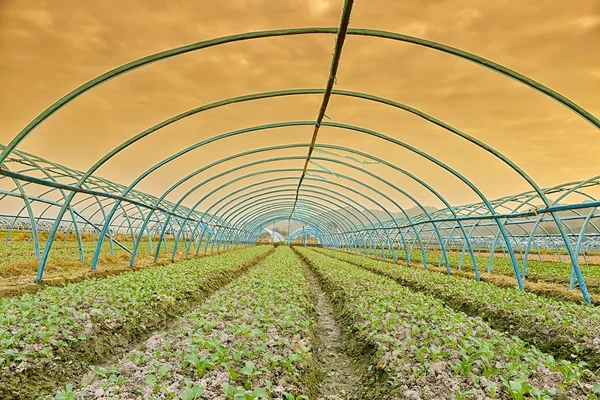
<point x="337" y="373"/>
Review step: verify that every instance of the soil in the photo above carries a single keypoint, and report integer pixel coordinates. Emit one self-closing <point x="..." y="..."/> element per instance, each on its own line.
<point x="73" y="362"/>
<point x="338" y="375"/>
<point x="24" y="280"/>
<point x="177" y="334"/>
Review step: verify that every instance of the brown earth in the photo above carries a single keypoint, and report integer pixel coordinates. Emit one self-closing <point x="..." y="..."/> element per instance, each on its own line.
<point x="69" y="272"/>
<point x="338" y="375"/>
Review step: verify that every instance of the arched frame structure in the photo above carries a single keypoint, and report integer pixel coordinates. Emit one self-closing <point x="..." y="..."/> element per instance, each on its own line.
<point x="79" y="201"/>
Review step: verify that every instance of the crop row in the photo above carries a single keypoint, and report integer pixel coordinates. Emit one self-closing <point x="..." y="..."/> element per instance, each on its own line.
<point x="537" y="271"/>
<point x="560" y="327"/>
<point x="41" y="333"/>
<point x="250" y="339"/>
<point x="429" y="351"/>
<point x="16" y="257"/>
<point x="546" y="288"/>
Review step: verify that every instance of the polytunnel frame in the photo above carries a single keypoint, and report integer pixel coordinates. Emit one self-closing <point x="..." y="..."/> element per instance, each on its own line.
<point x="341" y="32"/>
<point x="329" y="191"/>
<point x="303" y="231"/>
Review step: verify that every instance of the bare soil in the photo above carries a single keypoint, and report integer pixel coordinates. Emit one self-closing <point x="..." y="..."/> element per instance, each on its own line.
<point x="338" y="373"/>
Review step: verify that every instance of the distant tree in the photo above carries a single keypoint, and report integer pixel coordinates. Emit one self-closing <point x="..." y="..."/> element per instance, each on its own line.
<point x="281" y="231"/>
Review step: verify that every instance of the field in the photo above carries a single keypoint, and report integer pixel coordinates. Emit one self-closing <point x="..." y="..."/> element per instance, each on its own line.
<point x="18" y="266"/>
<point x="300" y="323"/>
<point x="549" y="277"/>
<point x="548" y="270"/>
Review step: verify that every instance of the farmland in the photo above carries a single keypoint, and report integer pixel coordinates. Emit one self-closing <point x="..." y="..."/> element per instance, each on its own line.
<point x="243" y="200"/>
<point x="306" y="323"/>
<point x="18" y="267"/>
<point x="44" y="332"/>
<point x="548" y="277"/>
<point x="251" y="338"/>
<point x="547" y="271"/>
<point x="556" y="326"/>
<point x="428" y="350"/>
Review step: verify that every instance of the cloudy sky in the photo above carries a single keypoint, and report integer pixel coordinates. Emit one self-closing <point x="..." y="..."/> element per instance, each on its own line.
<point x="48" y="48"/>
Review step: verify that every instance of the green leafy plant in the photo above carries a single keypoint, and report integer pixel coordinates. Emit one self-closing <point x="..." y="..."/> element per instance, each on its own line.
<point x="99" y="371"/>
<point x="66" y="394"/>
<point x="202" y="364"/>
<point x="192" y="391"/>
<point x="518" y="388"/>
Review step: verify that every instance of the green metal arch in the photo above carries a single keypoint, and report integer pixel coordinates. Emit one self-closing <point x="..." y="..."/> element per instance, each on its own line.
<point x="11" y="147"/>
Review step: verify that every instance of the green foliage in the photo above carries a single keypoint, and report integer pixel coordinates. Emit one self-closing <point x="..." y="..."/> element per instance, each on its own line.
<point x="66" y="394"/>
<point x="192" y="392"/>
<point x="412" y="330"/>
<point x="540" y="318"/>
<point x="255" y="331"/>
<point x="37" y="325"/>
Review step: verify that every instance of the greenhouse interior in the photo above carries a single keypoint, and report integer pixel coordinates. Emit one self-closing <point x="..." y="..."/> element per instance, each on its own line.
<point x="313" y="199"/>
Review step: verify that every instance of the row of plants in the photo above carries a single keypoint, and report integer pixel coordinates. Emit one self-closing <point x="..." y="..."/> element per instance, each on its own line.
<point x="59" y="330"/>
<point x="251" y="339"/>
<point x="543" y="288"/>
<point x="17" y="257"/>
<point x="427" y="350"/>
<point x="562" y="328"/>
<point x="537" y="271"/>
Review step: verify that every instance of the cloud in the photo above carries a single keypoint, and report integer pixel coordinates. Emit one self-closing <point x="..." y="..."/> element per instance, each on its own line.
<point x="50" y="48"/>
<point x="588" y="22"/>
<point x="319" y="7"/>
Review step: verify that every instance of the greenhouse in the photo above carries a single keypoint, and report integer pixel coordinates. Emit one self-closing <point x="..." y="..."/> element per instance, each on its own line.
<point x="271" y="255"/>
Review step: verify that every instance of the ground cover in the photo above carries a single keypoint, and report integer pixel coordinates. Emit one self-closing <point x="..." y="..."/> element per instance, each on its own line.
<point x="251" y="339"/>
<point x="564" y="329"/>
<point x="18" y="266"/>
<point x="537" y="271"/>
<point x="429" y="351"/>
<point x="52" y="335"/>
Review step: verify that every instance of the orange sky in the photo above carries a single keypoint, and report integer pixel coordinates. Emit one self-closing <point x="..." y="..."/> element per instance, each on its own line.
<point x="47" y="48"/>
